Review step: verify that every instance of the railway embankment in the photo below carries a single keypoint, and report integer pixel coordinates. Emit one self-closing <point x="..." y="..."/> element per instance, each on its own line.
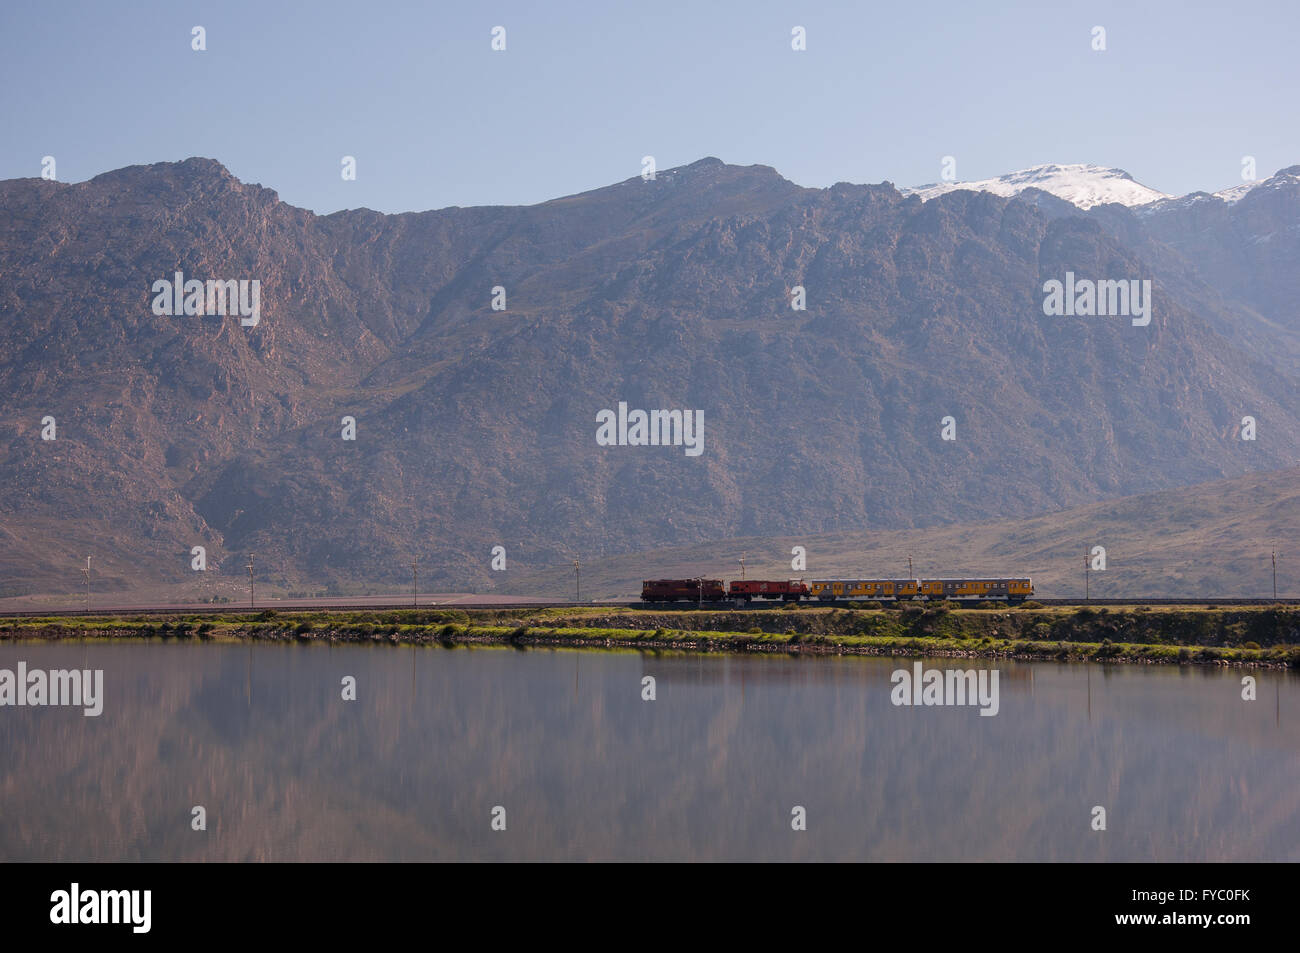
<point x="1257" y="636"/>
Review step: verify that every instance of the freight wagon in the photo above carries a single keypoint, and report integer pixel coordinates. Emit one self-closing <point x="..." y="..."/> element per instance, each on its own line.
<point x="787" y="590"/>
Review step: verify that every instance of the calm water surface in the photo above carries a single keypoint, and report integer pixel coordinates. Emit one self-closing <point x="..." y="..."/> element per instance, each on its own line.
<point x="586" y="770"/>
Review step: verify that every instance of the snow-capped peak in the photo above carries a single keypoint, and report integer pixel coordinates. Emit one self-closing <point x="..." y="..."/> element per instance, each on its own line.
<point x="1081" y="184"/>
<point x="1284" y="177"/>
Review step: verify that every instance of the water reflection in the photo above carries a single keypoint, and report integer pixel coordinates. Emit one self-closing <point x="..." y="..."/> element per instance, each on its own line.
<point x="260" y="736"/>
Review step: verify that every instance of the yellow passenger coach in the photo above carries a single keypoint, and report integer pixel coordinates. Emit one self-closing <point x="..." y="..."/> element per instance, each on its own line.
<point x="877" y="589"/>
<point x="1008" y="589"/>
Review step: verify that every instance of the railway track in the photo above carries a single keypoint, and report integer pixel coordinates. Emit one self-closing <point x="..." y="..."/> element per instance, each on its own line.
<point x="197" y="610"/>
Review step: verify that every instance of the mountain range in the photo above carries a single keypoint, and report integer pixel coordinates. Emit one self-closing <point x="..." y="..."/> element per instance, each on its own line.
<point x="475" y="428"/>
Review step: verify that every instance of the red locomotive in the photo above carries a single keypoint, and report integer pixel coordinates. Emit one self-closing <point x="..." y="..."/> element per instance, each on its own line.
<point x="787" y="590"/>
<point x="682" y="590"/>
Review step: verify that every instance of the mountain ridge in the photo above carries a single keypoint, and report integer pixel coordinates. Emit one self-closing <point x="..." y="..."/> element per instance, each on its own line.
<point x="1053" y="178"/>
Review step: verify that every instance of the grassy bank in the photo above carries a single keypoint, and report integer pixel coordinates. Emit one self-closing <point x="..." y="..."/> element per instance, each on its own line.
<point x="1266" y="635"/>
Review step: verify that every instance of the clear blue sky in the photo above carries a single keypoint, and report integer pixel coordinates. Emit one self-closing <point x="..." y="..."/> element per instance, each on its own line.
<point x="584" y="90"/>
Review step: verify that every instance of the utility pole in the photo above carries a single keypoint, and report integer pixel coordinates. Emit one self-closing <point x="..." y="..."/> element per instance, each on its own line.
<point x="577" y="581"/>
<point x="415" y="584"/>
<point x="909" y="567"/>
<point x="86" y="572"/>
<point x="250" y="580"/>
<point x="742" y="565"/>
<point x="700" y="601"/>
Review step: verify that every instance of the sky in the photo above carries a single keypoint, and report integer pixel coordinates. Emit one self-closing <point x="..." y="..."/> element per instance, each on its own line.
<point x="583" y="91"/>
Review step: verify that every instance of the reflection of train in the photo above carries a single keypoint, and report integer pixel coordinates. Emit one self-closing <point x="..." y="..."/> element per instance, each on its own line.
<point x="1009" y="589"/>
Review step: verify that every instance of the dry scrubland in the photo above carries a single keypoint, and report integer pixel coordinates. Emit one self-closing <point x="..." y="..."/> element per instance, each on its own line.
<point x="1266" y="635"/>
<point x="1210" y="541"/>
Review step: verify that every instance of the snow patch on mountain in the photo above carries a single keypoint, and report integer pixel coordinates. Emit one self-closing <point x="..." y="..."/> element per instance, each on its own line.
<point x="1235" y="193"/>
<point x="1282" y="179"/>
<point x="1080" y="184"/>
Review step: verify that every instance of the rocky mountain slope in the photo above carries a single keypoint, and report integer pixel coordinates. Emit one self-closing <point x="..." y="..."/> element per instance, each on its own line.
<point x="476" y="428"/>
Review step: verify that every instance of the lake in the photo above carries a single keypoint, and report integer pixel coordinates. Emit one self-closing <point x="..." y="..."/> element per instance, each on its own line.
<point x="713" y="768"/>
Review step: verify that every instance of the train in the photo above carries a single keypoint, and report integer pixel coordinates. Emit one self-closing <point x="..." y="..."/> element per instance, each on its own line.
<point x="1008" y="589"/>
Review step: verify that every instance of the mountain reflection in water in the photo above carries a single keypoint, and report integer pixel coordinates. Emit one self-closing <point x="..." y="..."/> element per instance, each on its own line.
<point x="259" y="735"/>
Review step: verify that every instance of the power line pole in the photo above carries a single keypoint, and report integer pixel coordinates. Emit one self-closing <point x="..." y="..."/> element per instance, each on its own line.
<point x="86" y="572"/>
<point x="742" y="565"/>
<point x="250" y="580"/>
<point x="909" y="567"/>
<point x="577" y="581"/>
